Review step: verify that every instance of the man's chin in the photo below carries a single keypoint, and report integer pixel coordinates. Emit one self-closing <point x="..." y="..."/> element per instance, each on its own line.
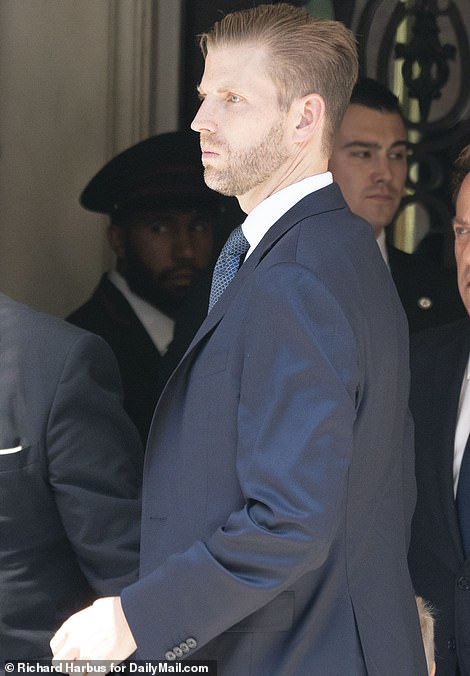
<point x="378" y="222"/>
<point x="177" y="292"/>
<point x="214" y="181"/>
<point x="169" y="302"/>
<point x="179" y="280"/>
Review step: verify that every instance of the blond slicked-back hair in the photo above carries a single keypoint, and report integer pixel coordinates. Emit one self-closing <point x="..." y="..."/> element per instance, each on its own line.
<point x="426" y="620"/>
<point x="306" y="55"/>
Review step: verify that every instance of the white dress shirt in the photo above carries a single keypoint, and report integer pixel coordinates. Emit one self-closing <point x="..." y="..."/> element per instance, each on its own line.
<point x="267" y="212"/>
<point x="158" y="325"/>
<point x="382" y="246"/>
<point x="462" y="429"/>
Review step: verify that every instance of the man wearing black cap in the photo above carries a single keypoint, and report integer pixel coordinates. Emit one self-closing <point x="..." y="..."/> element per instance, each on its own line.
<point x="161" y="226"/>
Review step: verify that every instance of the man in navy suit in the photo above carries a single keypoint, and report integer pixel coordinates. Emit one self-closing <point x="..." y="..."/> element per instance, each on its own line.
<point x="440" y="403"/>
<point x="69" y="478"/>
<point x="279" y="481"/>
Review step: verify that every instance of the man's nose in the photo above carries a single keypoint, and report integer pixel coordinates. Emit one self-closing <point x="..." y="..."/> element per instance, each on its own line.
<point x="204" y="118"/>
<point x="381" y="170"/>
<point x="183" y="246"/>
<point x="465" y="252"/>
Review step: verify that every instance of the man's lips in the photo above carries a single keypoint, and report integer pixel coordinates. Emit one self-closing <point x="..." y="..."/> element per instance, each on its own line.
<point x="381" y="197"/>
<point x="208" y="153"/>
<point x="181" y="277"/>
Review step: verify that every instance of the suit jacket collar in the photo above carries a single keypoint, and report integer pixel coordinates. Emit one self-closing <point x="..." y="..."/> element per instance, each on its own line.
<point x="325" y="199"/>
<point x="447" y="378"/>
<point x="450" y="369"/>
<point x="109" y="299"/>
<point x="320" y="201"/>
<point x="115" y="304"/>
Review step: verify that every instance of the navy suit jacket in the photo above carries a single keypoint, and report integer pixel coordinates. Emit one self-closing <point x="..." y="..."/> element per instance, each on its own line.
<point x="69" y="485"/>
<point x="278" y="484"/>
<point x="439" y="570"/>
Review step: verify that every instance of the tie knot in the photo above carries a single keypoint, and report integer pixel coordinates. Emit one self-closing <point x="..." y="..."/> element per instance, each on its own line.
<point x="227" y="264"/>
<point x="237" y="244"/>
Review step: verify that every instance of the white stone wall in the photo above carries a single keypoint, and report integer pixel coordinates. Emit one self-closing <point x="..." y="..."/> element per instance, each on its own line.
<point x="80" y="80"/>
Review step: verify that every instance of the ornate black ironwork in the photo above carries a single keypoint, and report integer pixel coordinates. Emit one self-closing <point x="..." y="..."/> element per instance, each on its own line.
<point x="425" y="67"/>
<point x="435" y="73"/>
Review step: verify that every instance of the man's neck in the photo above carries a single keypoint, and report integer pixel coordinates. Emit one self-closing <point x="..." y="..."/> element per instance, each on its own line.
<point x="295" y="170"/>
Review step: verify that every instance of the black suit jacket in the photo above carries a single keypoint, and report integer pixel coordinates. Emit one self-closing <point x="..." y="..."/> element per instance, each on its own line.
<point x="108" y="314"/>
<point x="438" y="568"/>
<point x="429" y="295"/>
<point x="69" y="487"/>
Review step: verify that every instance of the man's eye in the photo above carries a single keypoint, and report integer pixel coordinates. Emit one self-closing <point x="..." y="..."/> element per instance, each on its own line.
<point x="160" y="228"/>
<point x="234" y="98"/>
<point x="200" y="226"/>
<point x="460" y="230"/>
<point x="361" y="154"/>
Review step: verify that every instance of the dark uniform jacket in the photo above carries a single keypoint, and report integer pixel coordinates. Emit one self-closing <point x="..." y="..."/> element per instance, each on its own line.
<point x="428" y="294"/>
<point x="108" y="314"/>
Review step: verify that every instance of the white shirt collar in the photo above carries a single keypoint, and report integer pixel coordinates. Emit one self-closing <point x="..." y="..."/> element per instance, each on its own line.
<point x="265" y="214"/>
<point x="382" y="245"/>
<point x="158" y="325"/>
<point x="462" y="428"/>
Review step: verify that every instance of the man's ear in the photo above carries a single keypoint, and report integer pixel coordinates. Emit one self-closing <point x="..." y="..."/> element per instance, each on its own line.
<point x="116" y="239"/>
<point x="310" y="113"/>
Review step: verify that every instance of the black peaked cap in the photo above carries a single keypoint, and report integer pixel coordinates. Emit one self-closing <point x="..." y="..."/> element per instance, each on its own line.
<point x="161" y="171"/>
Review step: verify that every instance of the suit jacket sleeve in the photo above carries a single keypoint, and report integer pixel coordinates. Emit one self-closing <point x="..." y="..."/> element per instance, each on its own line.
<point x="91" y="446"/>
<point x="296" y="415"/>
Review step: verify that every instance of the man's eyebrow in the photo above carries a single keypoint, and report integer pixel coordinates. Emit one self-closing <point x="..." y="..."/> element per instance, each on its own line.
<point x="374" y="145"/>
<point x="361" y="144"/>
<point x="461" y="221"/>
<point x="222" y="89"/>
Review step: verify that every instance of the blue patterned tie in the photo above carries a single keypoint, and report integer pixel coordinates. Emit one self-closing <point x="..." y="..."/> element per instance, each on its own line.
<point x="463" y="499"/>
<point x="227" y="264"/>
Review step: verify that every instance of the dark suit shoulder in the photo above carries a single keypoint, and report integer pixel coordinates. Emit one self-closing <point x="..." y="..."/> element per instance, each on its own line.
<point x="428" y="293"/>
<point x="23" y="323"/>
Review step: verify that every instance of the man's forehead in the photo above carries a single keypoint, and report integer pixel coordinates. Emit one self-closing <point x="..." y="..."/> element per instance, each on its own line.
<point x="367" y="125"/>
<point x="463" y="196"/>
<point x="229" y="65"/>
<point x="175" y="211"/>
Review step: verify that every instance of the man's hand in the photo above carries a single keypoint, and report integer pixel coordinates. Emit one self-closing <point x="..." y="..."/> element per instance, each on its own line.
<point x="99" y="632"/>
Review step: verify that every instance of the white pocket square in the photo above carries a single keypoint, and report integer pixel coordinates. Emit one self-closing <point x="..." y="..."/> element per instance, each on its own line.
<point x="9" y="451"/>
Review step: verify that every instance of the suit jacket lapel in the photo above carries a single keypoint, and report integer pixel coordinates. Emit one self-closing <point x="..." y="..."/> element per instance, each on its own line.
<point x="448" y="376"/>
